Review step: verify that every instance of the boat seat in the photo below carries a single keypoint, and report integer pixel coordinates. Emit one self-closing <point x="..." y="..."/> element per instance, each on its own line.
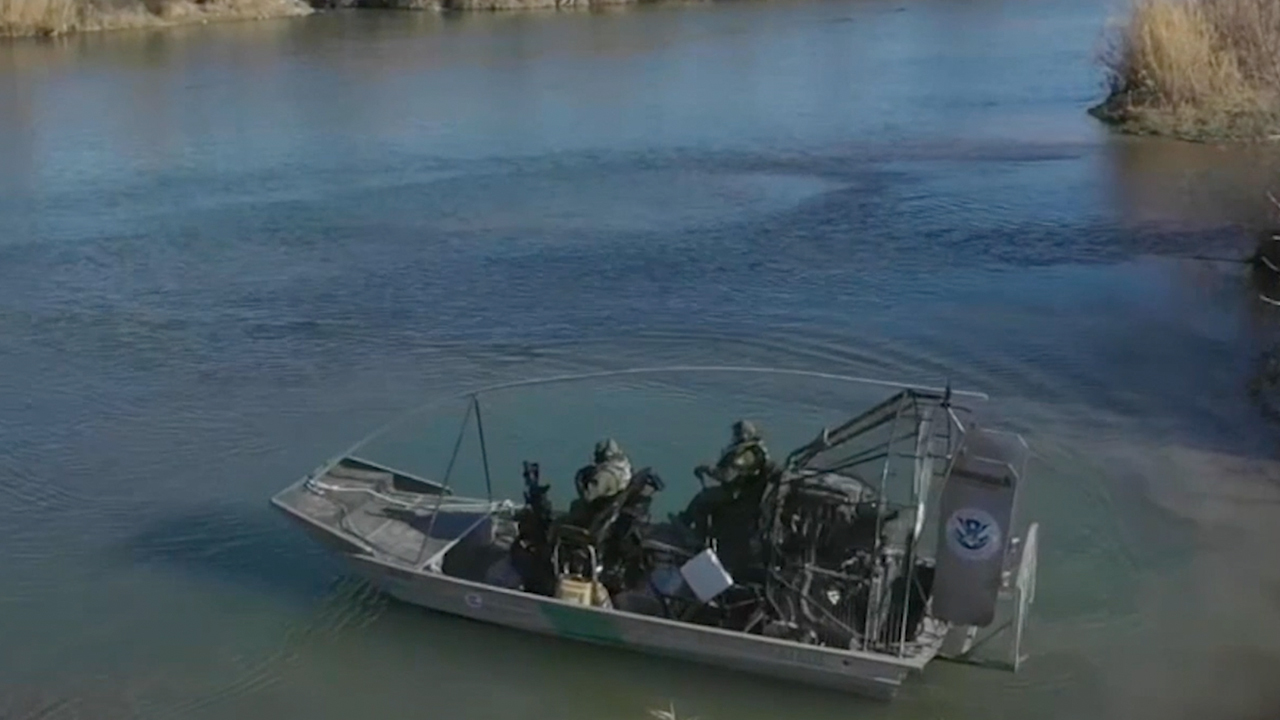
<point x="600" y="526"/>
<point x="597" y="518"/>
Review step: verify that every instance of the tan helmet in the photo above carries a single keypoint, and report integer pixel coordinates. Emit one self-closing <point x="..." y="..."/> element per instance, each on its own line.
<point x="745" y="430"/>
<point x="607" y="449"/>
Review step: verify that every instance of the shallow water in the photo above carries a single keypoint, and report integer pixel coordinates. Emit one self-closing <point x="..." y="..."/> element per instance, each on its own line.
<point x="226" y="252"/>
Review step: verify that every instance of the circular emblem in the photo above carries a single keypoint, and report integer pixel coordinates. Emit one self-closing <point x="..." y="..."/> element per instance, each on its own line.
<point x="473" y="601"/>
<point x="973" y="534"/>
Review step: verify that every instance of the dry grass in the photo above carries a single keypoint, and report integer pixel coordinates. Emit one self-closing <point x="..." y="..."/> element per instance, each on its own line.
<point x="1197" y="69"/>
<point x="56" y="17"/>
<point x="29" y="17"/>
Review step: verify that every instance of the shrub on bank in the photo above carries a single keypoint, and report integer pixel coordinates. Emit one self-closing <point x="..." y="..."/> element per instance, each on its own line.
<point x="1196" y="69"/>
<point x="30" y="17"/>
<point x="55" y="17"/>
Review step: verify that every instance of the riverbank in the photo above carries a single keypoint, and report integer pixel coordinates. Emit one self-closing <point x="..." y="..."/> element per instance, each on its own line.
<point x="20" y="18"/>
<point x="482" y="5"/>
<point x="1201" y="70"/>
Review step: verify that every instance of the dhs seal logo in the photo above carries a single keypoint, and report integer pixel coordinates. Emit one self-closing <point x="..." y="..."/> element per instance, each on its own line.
<point x="973" y="534"/>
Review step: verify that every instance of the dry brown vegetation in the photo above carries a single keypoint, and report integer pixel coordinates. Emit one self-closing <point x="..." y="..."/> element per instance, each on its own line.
<point x="54" y="17"/>
<point x="1197" y="69"/>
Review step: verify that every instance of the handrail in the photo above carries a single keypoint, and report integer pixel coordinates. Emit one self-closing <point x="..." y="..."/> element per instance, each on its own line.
<point x="651" y="370"/>
<point x="852" y="379"/>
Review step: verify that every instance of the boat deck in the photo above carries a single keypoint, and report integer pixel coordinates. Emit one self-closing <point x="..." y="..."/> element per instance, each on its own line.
<point x="401" y="518"/>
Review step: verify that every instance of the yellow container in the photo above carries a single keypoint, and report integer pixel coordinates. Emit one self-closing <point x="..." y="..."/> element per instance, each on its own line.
<point x="575" y="591"/>
<point x="582" y="592"/>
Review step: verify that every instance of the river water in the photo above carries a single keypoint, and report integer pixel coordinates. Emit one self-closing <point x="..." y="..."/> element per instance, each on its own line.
<point x="226" y="252"/>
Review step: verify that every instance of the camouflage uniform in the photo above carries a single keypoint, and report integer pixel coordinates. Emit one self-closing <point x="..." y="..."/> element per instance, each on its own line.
<point x="608" y="476"/>
<point x="745" y="457"/>
<point x="742" y="465"/>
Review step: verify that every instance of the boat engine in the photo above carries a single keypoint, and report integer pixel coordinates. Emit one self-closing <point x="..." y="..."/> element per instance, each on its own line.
<point x="824" y="567"/>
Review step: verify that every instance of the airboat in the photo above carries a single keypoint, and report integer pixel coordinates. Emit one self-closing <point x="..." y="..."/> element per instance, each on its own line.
<point x="884" y="540"/>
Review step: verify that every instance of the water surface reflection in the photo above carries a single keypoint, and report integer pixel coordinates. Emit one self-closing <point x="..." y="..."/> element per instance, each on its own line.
<point x="226" y="251"/>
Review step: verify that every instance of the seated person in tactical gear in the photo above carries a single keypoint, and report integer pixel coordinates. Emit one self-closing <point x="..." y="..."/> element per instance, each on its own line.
<point x="744" y="457"/>
<point x="608" y="475"/>
<point x="728" y="510"/>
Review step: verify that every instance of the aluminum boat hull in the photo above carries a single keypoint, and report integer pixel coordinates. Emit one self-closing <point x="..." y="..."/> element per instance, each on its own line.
<point x="857" y="673"/>
<point x="866" y="674"/>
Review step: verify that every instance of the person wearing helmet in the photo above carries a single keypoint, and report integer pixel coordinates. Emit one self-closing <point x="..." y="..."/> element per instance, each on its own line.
<point x="744" y="457"/>
<point x="727" y="510"/>
<point x="608" y="475"/>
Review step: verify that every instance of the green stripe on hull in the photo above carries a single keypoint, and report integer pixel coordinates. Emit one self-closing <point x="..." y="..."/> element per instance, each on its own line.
<point x="583" y="624"/>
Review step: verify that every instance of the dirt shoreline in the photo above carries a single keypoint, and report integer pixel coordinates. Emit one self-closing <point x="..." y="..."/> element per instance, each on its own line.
<point x="1199" y="125"/>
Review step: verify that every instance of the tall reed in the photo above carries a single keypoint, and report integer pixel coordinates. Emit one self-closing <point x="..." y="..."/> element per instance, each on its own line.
<point x="1199" y="69"/>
